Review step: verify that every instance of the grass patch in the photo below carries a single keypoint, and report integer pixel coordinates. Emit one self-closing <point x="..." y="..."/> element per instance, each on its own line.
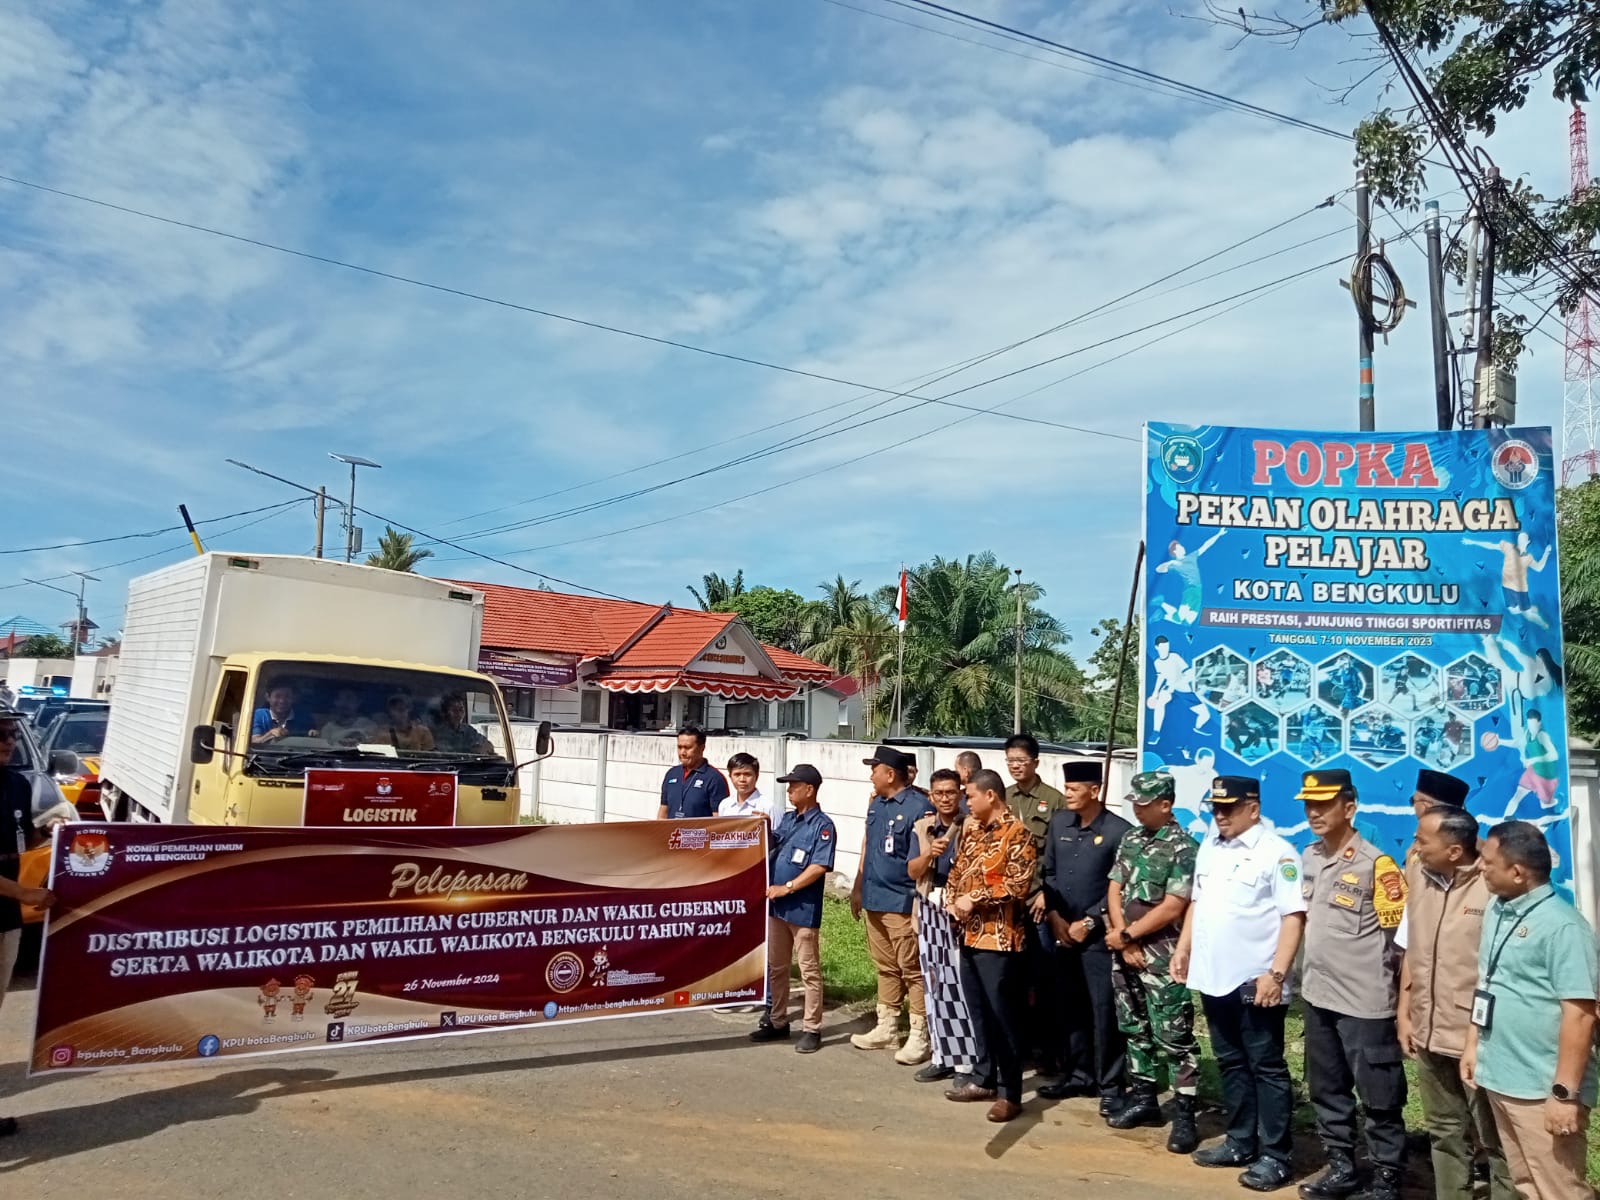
<point x="848" y="975"/>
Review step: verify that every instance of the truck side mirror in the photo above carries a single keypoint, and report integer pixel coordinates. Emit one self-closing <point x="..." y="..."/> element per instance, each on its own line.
<point x="202" y="744"/>
<point x="543" y="743"/>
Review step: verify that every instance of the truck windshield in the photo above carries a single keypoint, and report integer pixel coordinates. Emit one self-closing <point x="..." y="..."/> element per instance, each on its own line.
<point x="302" y="708"/>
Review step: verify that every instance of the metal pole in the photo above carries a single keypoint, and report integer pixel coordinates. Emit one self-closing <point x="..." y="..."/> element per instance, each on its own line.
<point x="1122" y="666"/>
<point x="322" y="511"/>
<point x="1443" y="401"/>
<point x="350" y="520"/>
<point x="1367" y="405"/>
<point x="1480" y="415"/>
<point x="1016" y="689"/>
<point x="77" y="632"/>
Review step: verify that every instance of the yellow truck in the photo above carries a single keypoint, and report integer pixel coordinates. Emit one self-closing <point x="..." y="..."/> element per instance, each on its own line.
<point x="238" y="674"/>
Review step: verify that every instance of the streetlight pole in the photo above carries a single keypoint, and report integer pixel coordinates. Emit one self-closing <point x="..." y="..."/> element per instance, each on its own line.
<point x="83" y="616"/>
<point x="355" y="461"/>
<point x="321" y="494"/>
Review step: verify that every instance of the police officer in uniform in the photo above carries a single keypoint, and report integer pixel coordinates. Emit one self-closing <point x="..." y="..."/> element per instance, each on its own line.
<point x="1079" y="848"/>
<point x="1151" y="882"/>
<point x="1355" y="896"/>
<point x="1237" y="949"/>
<point x="800" y="857"/>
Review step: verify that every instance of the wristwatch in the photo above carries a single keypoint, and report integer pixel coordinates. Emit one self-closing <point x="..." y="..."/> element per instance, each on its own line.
<point x="1562" y="1092"/>
<point x="1277" y="975"/>
<point x="789" y="887"/>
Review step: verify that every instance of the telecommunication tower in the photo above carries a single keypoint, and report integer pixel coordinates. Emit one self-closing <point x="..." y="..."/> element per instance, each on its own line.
<point x="1580" y="435"/>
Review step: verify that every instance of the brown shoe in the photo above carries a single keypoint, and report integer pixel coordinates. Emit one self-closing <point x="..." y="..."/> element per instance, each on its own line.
<point x="967" y="1093"/>
<point x="1002" y="1111"/>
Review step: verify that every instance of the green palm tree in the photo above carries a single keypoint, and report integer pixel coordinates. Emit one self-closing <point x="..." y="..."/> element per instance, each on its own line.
<point x="827" y="636"/>
<point x="717" y="590"/>
<point x="396" y="553"/>
<point x="961" y="654"/>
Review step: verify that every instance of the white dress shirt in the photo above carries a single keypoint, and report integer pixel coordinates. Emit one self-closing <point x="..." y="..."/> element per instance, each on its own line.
<point x="756" y="806"/>
<point x="1243" y="889"/>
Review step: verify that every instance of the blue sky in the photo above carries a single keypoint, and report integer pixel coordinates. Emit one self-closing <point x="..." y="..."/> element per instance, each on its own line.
<point x="793" y="181"/>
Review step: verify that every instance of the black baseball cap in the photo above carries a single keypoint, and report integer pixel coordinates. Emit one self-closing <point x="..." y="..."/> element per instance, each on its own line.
<point x="890" y="757"/>
<point x="802" y="773"/>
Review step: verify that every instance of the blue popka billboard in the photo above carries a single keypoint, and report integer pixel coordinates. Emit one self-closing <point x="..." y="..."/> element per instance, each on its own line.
<point x="1377" y="602"/>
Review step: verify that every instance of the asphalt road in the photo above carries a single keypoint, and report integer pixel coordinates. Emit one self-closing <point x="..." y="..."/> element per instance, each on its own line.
<point x="661" y="1108"/>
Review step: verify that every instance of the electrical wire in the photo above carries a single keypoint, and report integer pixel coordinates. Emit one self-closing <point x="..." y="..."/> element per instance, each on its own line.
<point x="1105" y="308"/>
<point x="149" y="533"/>
<point x="822" y="433"/>
<point x="1190" y="89"/>
<point x="878" y="450"/>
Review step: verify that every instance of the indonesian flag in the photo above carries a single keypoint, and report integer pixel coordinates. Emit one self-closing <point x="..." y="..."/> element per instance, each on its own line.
<point x="900" y="600"/>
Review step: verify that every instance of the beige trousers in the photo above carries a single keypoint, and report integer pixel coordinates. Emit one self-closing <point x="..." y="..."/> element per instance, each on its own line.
<point x="1543" y="1166"/>
<point x="10" y="943"/>
<point x="892" y="942"/>
<point x="784" y="940"/>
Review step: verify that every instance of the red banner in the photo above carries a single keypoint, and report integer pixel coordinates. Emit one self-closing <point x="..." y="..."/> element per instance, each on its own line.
<point x="359" y="796"/>
<point x="182" y="943"/>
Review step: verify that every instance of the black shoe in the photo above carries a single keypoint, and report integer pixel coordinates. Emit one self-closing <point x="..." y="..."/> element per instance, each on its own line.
<point x="1143" y="1110"/>
<point x="1062" y="1089"/>
<point x="1339" y="1180"/>
<point x="810" y="1042"/>
<point x="1385" y="1185"/>
<point x="1184" y="1136"/>
<point x="1266" y="1175"/>
<point x="934" y="1073"/>
<point x="768" y="1032"/>
<point x="1224" y="1154"/>
<point x="1110" y="1106"/>
<point x="8" y="1126"/>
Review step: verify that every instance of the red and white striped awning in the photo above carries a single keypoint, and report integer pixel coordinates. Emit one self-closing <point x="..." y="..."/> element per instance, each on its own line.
<point x="730" y="687"/>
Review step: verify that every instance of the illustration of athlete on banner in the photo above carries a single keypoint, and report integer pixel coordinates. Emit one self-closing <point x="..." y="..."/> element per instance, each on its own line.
<point x="1377" y="602"/>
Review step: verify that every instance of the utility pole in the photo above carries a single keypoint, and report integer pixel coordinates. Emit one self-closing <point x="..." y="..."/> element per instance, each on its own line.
<point x="1469" y="325"/>
<point x="1016" y="691"/>
<point x="1443" y="401"/>
<point x="322" y="510"/>
<point x="1368" y="410"/>
<point x="83" y="616"/>
<point x="1485" y="359"/>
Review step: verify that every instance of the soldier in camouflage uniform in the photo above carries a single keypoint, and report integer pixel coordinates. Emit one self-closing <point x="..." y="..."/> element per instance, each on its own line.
<point x="1151" y="883"/>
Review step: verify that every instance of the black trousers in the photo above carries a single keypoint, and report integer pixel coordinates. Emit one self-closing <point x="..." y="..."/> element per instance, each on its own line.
<point x="1041" y="1002"/>
<point x="1093" y="1046"/>
<point x="1348" y="1057"/>
<point x="995" y="986"/>
<point x="1248" y="1043"/>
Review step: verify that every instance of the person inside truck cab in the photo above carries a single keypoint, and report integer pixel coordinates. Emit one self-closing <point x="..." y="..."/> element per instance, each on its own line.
<point x="278" y="719"/>
<point x="452" y="733"/>
<point x="345" y="725"/>
<point x="404" y="731"/>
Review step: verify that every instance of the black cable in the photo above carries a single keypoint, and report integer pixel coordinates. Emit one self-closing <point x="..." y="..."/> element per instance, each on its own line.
<point x="917" y="436"/>
<point x="390" y="521"/>
<point x="149" y="533"/>
<point x="822" y="433"/>
<point x="1104" y="308"/>
<point x="1124" y="68"/>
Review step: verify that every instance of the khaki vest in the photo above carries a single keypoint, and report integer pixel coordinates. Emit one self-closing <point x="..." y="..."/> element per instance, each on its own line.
<point x="1442" y="932"/>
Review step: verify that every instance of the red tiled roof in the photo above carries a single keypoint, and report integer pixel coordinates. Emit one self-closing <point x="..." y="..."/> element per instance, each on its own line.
<point x="676" y="640"/>
<point x="592" y="627"/>
<point x="844" y="685"/>
<point x="525" y="619"/>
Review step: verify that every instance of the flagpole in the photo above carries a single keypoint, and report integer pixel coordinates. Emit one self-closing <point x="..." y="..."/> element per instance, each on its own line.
<point x="900" y="657"/>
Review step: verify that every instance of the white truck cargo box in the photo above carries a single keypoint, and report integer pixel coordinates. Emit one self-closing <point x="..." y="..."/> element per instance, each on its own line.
<point x="182" y="621"/>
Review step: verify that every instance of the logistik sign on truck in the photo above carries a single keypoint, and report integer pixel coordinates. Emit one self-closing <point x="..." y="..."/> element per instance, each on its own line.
<point x="238" y="675"/>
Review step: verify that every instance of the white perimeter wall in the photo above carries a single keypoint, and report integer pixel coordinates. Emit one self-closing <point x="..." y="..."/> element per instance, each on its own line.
<point x="609" y="776"/>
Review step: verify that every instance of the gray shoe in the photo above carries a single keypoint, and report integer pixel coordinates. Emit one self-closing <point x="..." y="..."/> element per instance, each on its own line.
<point x="810" y="1042"/>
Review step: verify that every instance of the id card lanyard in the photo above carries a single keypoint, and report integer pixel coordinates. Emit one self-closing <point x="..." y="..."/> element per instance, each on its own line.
<point x="1483" y="998"/>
